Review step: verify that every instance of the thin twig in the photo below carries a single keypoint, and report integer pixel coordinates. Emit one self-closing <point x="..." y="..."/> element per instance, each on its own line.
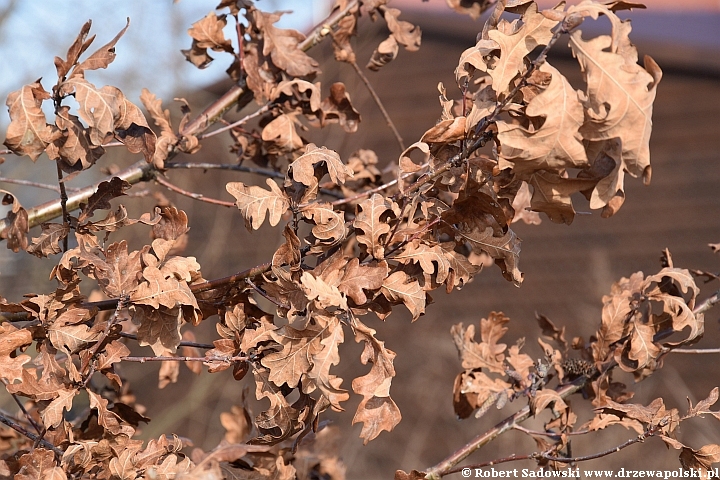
<point x="695" y="350"/>
<point x="29" y="418"/>
<point x="63" y="204"/>
<point x="22" y="431"/>
<point x="367" y="193"/>
<point x="264" y="294"/>
<point x="33" y="184"/>
<point x="230" y="126"/>
<point x="237" y="358"/>
<point x="183" y="343"/>
<point x="442" y="468"/>
<point x="193" y="195"/>
<point x="379" y="103"/>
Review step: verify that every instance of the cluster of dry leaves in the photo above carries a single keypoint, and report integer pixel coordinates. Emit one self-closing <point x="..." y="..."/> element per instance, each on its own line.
<point x="353" y="245"/>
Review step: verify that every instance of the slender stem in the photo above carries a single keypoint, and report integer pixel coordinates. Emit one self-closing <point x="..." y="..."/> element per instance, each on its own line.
<point x="237" y="358"/>
<point x="182" y="343"/>
<point x="367" y="193"/>
<point x="193" y="195"/>
<point x="22" y="408"/>
<point x="264" y="294"/>
<point x="28" y="183"/>
<point x="267" y="172"/>
<point x="35" y="438"/>
<point x="230" y="126"/>
<point x="442" y="468"/>
<point x="379" y="103"/>
<point x="695" y="350"/>
<point x="63" y="203"/>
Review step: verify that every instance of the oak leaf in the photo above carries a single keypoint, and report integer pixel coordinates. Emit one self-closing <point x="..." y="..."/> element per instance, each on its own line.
<point x="158" y="328"/>
<point x="303" y="168"/>
<point x="282" y="45"/>
<point x="618" y="100"/>
<point x="29" y="133"/>
<point x="48" y="243"/>
<point x="505" y="250"/>
<point x="383" y="54"/>
<point x="557" y="144"/>
<point x="281" y="135"/>
<point x="101" y="58"/>
<point x="405" y="33"/>
<point x="403" y="288"/>
<point x="11" y="364"/>
<point x="74" y="148"/>
<point x="536" y="30"/>
<point x="255" y="202"/>
<point x="17" y="221"/>
<point x="52" y="415"/>
<point x="324" y="359"/>
<point x="337" y="108"/>
<point x="377" y="411"/>
<point x="372" y="223"/>
<point x="329" y="225"/>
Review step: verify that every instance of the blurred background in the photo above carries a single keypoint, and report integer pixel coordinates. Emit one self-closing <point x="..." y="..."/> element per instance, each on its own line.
<point x="567" y="269"/>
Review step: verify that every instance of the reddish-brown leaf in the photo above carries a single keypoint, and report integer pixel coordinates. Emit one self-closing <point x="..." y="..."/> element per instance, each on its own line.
<point x="29" y="133"/>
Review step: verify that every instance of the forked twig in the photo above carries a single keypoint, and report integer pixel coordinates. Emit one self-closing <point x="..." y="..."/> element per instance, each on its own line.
<point x="193" y="195"/>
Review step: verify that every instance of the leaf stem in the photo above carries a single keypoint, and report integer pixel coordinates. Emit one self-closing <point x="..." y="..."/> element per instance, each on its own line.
<point x="195" y="196"/>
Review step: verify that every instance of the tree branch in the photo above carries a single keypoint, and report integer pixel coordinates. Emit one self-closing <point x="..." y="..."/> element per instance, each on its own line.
<point x="142" y="171"/>
<point x="193" y="195"/>
<point x="35" y="438"/>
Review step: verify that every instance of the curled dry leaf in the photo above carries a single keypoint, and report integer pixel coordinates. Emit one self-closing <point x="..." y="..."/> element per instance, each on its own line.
<point x="29" y="133"/>
<point x="255" y="203"/>
<point x="282" y="45"/>
<point x="303" y="169"/>
<point x="372" y="223"/>
<point x="383" y="54"/>
<point x="17" y="219"/>
<point x="377" y="411"/>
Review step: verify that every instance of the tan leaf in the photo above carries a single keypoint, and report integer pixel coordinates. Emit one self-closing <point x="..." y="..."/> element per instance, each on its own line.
<point x="237" y="424"/>
<point x="551" y="194"/>
<point x="377" y="411"/>
<point x="98" y="107"/>
<point x="488" y="353"/>
<point x="400" y="287"/>
<point x="48" y="243"/>
<point x="39" y="464"/>
<point x="383" y="54"/>
<point x="303" y="169"/>
<point x="371" y="223"/>
<point x="52" y="415"/>
<point x="255" y="202"/>
<point x="473" y="59"/>
<point x="160" y="329"/>
<point x="69" y="334"/>
<point x="536" y="30"/>
<point x="329" y="225"/>
<point x="474" y="8"/>
<point x="703" y="406"/>
<point x="29" y="133"/>
<point x="323" y="360"/>
<point x="74" y="148"/>
<point x="337" y="108"/>
<point x="700" y="460"/>
<point x="358" y="278"/>
<point x="109" y="420"/>
<point x="431" y="258"/>
<point x="11" y="364"/>
<point x="295" y="359"/>
<point x="101" y="58"/>
<point x="619" y="97"/>
<point x="446" y="131"/>
<point x="282" y="135"/>
<point x="282" y="45"/>
<point x="325" y="295"/>
<point x="557" y="144"/>
<point x="405" y="33"/>
<point x="17" y="219"/>
<point x="505" y="250"/>
<point x="208" y="33"/>
<point x="159" y="288"/>
<point x="543" y="398"/>
<point x="77" y="48"/>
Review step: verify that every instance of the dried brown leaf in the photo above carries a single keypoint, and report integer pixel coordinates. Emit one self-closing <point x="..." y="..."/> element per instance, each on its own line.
<point x="255" y="202"/>
<point x="399" y="287"/>
<point x="29" y="133"/>
<point x="372" y="223"/>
